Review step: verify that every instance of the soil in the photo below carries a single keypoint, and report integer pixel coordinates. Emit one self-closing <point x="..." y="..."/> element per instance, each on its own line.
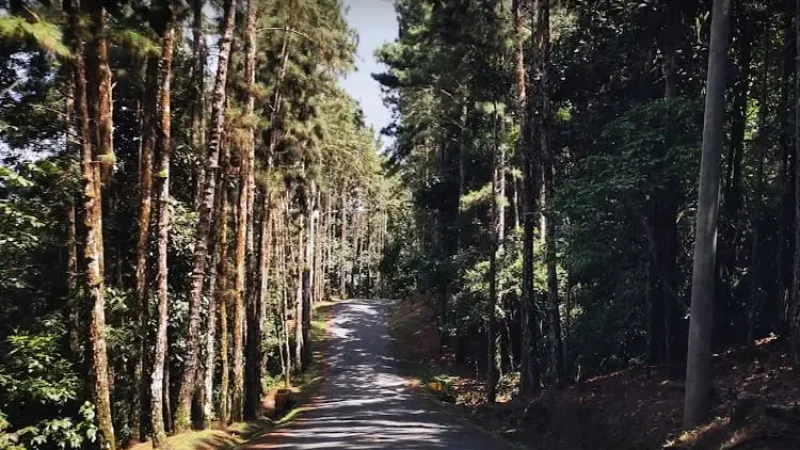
<point x="637" y="408"/>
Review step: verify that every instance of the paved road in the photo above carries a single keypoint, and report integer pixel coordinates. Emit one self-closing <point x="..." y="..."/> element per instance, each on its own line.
<point x="364" y="403"/>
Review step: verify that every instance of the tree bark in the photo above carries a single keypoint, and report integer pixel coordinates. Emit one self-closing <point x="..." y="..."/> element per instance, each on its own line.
<point x="92" y="251"/>
<point x="255" y="354"/>
<point x="72" y="314"/>
<point x="794" y="313"/>
<point x="149" y="125"/>
<point x="787" y="168"/>
<point x="541" y="134"/>
<point x="282" y="258"/>
<point x="164" y="147"/>
<point x="247" y="403"/>
<point x="216" y="289"/>
<point x="222" y="301"/>
<point x="528" y="320"/>
<point x="308" y="275"/>
<point x="732" y="201"/>
<point x="198" y="91"/>
<point x="237" y="397"/>
<point x="762" y="144"/>
<point x="698" y="366"/>
<point x="342" y="246"/>
<point x="299" y="315"/>
<point x="187" y="385"/>
<point x="493" y="356"/>
<point x="101" y="77"/>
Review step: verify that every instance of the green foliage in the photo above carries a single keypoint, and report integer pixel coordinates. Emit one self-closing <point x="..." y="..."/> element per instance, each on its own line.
<point x="45" y="35"/>
<point x="34" y="375"/>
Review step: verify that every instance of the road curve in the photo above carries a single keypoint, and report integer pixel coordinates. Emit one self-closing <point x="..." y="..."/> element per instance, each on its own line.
<point x="364" y="403"/>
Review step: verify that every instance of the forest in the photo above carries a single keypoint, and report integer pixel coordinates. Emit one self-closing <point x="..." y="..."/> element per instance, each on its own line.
<point x="573" y="187"/>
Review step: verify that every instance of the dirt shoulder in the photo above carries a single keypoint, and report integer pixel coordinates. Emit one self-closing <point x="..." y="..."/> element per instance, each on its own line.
<point x="754" y="398"/>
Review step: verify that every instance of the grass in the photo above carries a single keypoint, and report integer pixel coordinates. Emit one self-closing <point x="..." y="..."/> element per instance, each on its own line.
<point x="236" y="435"/>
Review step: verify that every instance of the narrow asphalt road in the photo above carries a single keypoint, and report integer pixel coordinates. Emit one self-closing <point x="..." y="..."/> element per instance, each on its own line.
<point x="364" y="403"/>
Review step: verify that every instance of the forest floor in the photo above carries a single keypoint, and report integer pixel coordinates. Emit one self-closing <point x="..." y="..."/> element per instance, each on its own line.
<point x="304" y="388"/>
<point x="755" y="398"/>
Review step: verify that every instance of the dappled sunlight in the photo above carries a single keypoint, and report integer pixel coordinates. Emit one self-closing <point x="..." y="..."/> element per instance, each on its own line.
<point x="363" y="403"/>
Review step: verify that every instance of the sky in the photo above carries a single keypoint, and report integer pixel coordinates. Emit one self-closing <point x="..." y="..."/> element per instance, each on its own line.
<point x="376" y="23"/>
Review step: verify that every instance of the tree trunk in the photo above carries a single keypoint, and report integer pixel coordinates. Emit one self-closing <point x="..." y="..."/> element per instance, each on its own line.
<point x="794" y="314"/>
<point x="72" y="308"/>
<point x="493" y="355"/>
<point x="319" y="275"/>
<point x="786" y="242"/>
<point x="255" y="354"/>
<point x="308" y="275"/>
<point x="762" y="144"/>
<point x="222" y="301"/>
<point x="92" y="251"/>
<point x="187" y="388"/>
<point x="541" y="132"/>
<point x="100" y="76"/>
<point x="528" y="320"/>
<point x="164" y="147"/>
<point x="299" y="322"/>
<point x="247" y="405"/>
<point x="198" y="91"/>
<point x="342" y="246"/>
<point x="283" y="257"/>
<point x="216" y="289"/>
<point x="698" y="366"/>
<point x="732" y="201"/>
<point x="149" y="126"/>
<point x="238" y="309"/>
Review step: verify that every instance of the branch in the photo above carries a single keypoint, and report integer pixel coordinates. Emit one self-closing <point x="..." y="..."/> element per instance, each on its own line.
<point x="288" y="30"/>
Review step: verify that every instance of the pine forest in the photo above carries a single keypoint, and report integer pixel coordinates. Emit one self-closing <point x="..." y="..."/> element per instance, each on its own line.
<point x="580" y="228"/>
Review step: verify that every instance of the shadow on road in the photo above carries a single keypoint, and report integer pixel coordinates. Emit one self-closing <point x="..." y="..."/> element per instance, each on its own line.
<point x="363" y="403"/>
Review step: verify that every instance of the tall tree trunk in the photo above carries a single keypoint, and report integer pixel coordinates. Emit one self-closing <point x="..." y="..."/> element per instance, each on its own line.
<point x="299" y="322"/>
<point x="187" y="385"/>
<point x="786" y="243"/>
<point x="100" y="74"/>
<point x="730" y="225"/>
<point x="255" y="354"/>
<point x="762" y="144"/>
<point x="72" y="314"/>
<point x="249" y="402"/>
<point x="794" y="314"/>
<point x="92" y="251"/>
<point x="283" y="257"/>
<point x="222" y="301"/>
<point x="237" y="397"/>
<point x="342" y="246"/>
<point x="308" y="275"/>
<point x="169" y="426"/>
<point x="198" y="91"/>
<point x="493" y="359"/>
<point x="528" y="320"/>
<point x="72" y="310"/>
<point x="319" y="278"/>
<point x="164" y="147"/>
<point x="149" y="125"/>
<point x="541" y="132"/>
<point x="216" y="289"/>
<point x="698" y="366"/>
